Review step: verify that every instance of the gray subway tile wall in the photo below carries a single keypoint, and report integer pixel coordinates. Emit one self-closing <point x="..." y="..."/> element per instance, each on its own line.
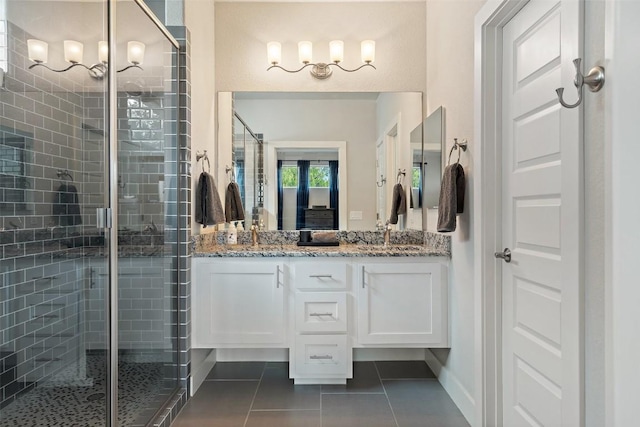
<point x="56" y="124"/>
<point x="41" y="136"/>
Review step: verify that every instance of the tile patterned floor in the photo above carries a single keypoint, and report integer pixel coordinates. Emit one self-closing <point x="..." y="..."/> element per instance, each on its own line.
<point x="63" y="400"/>
<point x="381" y="394"/>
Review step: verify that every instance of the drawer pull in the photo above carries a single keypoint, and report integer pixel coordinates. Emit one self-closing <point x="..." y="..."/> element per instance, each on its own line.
<point x="321" y="314"/>
<point x="325" y="357"/>
<point x="277" y="277"/>
<point x="321" y="276"/>
<point x="363" y="277"/>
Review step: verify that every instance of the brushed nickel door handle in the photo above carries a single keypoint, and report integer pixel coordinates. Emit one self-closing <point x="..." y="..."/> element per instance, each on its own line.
<point x="505" y="255"/>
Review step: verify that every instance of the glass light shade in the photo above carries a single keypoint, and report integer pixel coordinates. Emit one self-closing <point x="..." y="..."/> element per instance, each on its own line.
<point x="305" y="52"/>
<point x="274" y="52"/>
<point x="135" y="53"/>
<point x="368" y="51"/>
<point x="73" y="51"/>
<point x="103" y="52"/>
<point x="38" y="50"/>
<point x="336" y="51"/>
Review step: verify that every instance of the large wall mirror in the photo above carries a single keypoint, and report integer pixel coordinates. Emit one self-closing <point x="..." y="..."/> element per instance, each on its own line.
<point x="427" y="142"/>
<point x="324" y="160"/>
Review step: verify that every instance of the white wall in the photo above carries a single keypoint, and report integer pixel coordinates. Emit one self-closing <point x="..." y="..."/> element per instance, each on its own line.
<point x="450" y="58"/>
<point x="622" y="212"/>
<point x="243" y="30"/>
<point x="348" y="120"/>
<point x="198" y="17"/>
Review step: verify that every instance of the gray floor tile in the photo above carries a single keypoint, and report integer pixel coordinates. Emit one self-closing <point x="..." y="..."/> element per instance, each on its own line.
<point x="283" y="394"/>
<point x="365" y="380"/>
<point x="236" y="371"/>
<point x="423" y="403"/>
<point x="273" y="370"/>
<point x="409" y="369"/>
<point x="218" y="404"/>
<point x="284" y="419"/>
<point x="356" y="410"/>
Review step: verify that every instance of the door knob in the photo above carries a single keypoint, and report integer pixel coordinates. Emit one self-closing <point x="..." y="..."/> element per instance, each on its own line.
<point x="505" y="255"/>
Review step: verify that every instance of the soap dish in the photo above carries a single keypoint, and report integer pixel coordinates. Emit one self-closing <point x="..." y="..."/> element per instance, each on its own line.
<point x="334" y="243"/>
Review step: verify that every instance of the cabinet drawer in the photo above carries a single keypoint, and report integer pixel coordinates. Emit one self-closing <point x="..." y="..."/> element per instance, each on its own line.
<point x="321" y="312"/>
<point x="321" y="275"/>
<point x="322" y="355"/>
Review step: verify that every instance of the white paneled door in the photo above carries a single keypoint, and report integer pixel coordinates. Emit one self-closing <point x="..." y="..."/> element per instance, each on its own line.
<point x="542" y="218"/>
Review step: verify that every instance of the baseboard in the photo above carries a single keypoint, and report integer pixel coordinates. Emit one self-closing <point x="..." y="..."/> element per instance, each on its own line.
<point x="202" y="361"/>
<point x="373" y="354"/>
<point x="458" y="393"/>
<point x="252" y="355"/>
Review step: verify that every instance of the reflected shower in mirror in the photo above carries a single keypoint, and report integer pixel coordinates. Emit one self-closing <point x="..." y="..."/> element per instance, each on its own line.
<point x="345" y="128"/>
<point x="427" y="163"/>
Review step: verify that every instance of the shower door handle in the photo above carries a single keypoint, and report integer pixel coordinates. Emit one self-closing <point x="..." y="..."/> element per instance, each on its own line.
<point x="103" y="218"/>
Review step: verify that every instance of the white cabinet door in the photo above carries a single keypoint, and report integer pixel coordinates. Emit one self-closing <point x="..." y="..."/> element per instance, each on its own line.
<point x="238" y="303"/>
<point x="402" y="304"/>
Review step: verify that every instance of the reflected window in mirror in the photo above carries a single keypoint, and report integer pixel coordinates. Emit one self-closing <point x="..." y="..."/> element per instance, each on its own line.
<point x="306" y="196"/>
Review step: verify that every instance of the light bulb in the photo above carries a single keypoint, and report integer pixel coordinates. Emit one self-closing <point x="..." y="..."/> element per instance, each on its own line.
<point x="305" y="52"/>
<point x="368" y="51"/>
<point x="73" y="51"/>
<point x="103" y="52"/>
<point x="336" y="51"/>
<point x="135" y="52"/>
<point x="274" y="52"/>
<point x="38" y="50"/>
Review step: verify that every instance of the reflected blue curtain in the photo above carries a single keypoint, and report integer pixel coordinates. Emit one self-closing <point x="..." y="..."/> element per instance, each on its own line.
<point x="334" y="192"/>
<point x="421" y="169"/>
<point x="303" y="192"/>
<point x="240" y="180"/>
<point x="280" y="195"/>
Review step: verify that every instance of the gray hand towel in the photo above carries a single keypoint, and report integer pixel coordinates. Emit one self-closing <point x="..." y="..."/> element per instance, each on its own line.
<point x="398" y="203"/>
<point x="451" y="197"/>
<point x="66" y="207"/>
<point x="233" y="209"/>
<point x="208" y="205"/>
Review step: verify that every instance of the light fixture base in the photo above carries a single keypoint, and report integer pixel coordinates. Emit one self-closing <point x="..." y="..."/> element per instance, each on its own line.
<point x="321" y="71"/>
<point x="98" y="71"/>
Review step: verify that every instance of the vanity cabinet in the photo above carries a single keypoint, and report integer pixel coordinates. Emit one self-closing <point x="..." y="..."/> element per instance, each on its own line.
<point x="320" y="308"/>
<point x="402" y="304"/>
<point x="238" y="303"/>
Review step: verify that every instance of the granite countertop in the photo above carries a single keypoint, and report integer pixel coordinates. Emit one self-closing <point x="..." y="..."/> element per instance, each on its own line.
<point x="408" y="243"/>
<point x="344" y="250"/>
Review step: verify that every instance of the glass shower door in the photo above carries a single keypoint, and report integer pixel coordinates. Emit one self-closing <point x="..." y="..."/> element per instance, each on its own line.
<point x="54" y="258"/>
<point x="147" y="164"/>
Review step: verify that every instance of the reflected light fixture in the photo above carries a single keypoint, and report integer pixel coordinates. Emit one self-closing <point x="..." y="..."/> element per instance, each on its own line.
<point x="321" y="70"/>
<point x="73" y="54"/>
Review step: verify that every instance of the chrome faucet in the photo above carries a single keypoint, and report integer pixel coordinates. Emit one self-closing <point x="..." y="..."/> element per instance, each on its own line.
<point x="254" y="235"/>
<point x="387" y="233"/>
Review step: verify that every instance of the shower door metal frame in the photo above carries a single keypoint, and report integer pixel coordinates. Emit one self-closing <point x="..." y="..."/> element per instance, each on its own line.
<point x="111" y="150"/>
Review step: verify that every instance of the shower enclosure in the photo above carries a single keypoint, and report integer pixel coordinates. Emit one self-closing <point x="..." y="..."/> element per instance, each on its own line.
<point x="89" y="213"/>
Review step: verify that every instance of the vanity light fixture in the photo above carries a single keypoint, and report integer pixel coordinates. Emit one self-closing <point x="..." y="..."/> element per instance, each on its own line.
<point x="321" y="70"/>
<point x="74" y="51"/>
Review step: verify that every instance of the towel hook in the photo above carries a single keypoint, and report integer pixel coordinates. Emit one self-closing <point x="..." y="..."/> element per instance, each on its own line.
<point x="203" y="156"/>
<point x="382" y="181"/>
<point x="460" y="146"/>
<point x="231" y="172"/>
<point x="594" y="80"/>
<point x="64" y="174"/>
<point x="401" y="174"/>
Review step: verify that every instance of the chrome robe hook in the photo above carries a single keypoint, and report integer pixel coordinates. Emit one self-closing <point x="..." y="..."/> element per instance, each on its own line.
<point x="594" y="80"/>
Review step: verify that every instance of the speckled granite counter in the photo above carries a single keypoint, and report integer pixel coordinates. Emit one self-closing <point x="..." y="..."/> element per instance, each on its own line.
<point x="352" y="244"/>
